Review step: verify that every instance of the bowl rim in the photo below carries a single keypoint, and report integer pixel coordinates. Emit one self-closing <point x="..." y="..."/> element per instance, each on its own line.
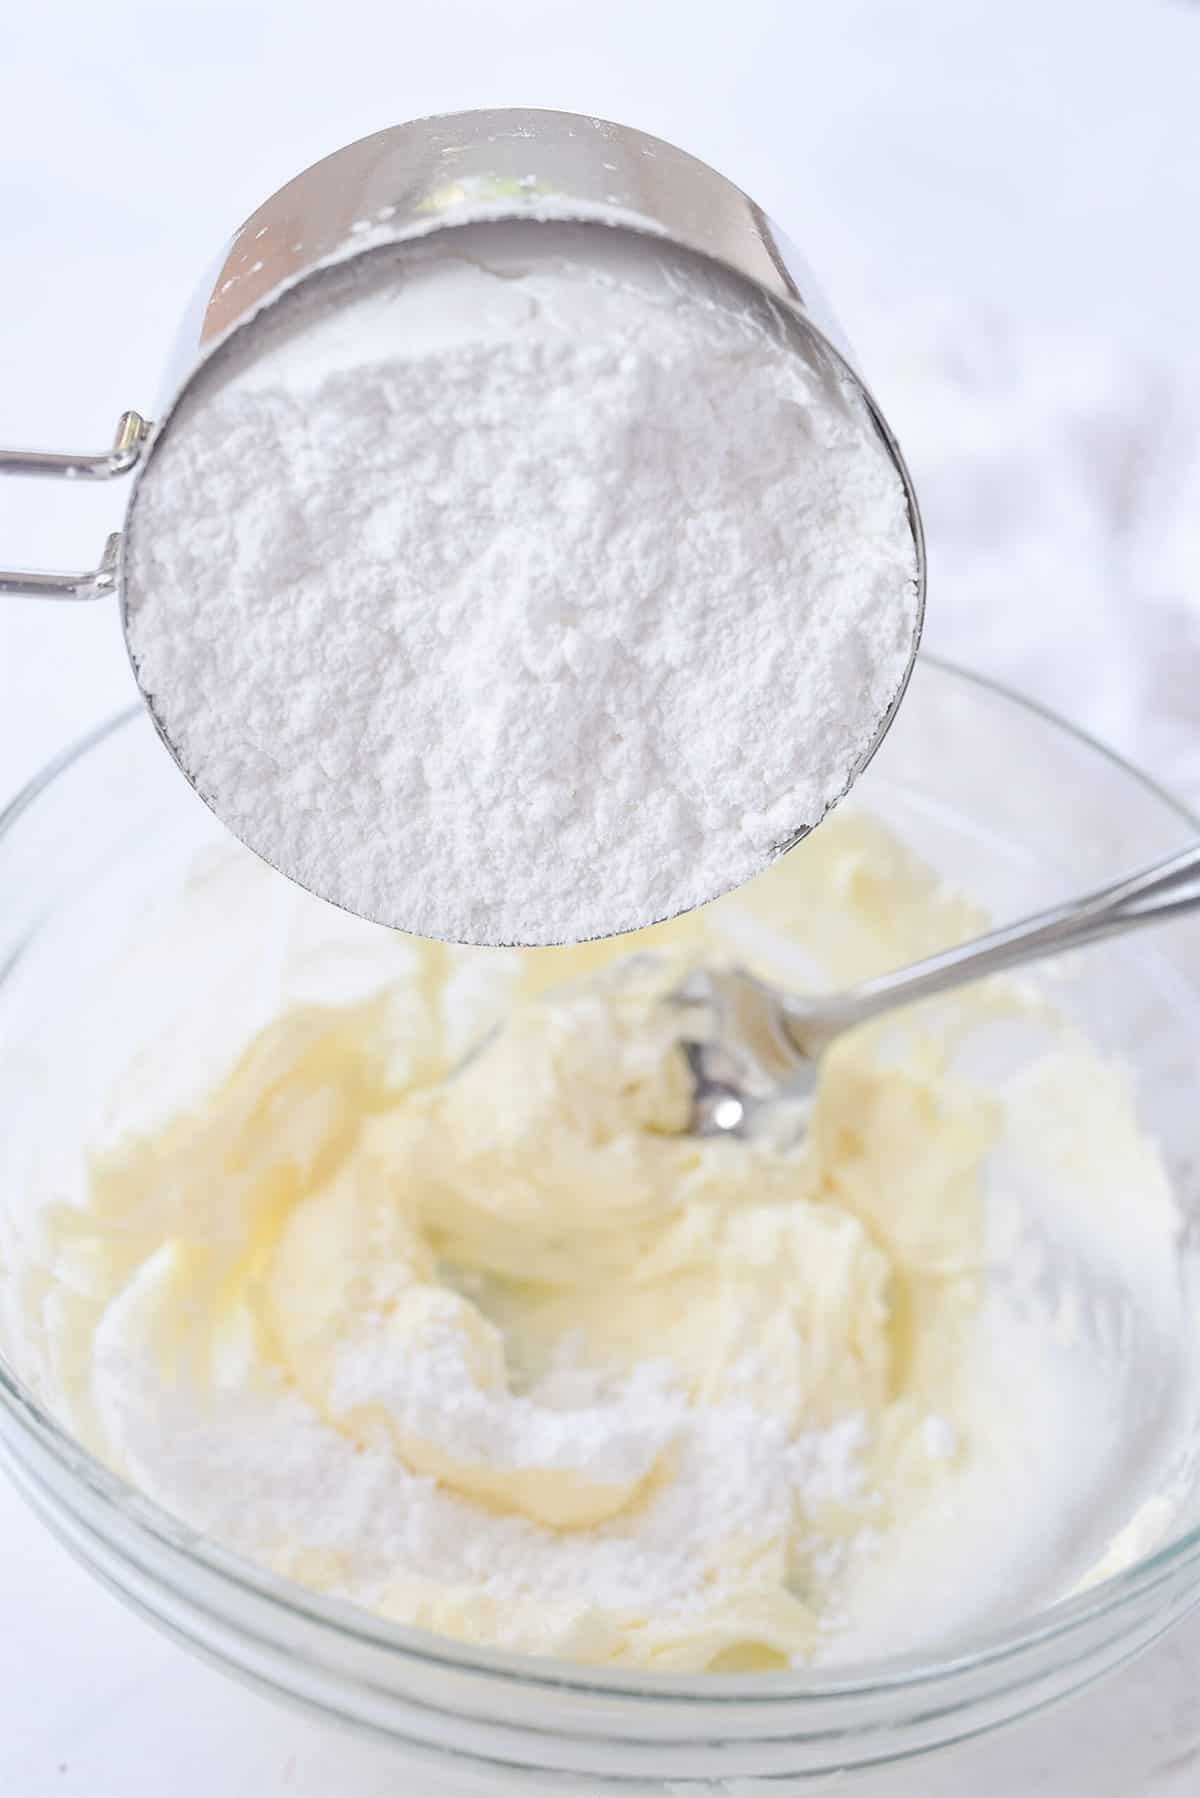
<point x="888" y="1676"/>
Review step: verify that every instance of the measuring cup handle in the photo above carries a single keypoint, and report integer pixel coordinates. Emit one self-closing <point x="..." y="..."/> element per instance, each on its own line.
<point x="128" y="444"/>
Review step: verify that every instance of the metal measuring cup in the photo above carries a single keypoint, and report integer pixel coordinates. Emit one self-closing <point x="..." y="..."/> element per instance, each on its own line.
<point x="432" y="175"/>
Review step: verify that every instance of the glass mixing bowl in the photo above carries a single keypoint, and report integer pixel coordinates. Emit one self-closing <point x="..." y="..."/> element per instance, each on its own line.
<point x="1003" y="799"/>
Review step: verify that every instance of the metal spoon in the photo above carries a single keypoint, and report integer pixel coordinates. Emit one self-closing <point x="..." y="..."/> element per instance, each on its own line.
<point x="761" y="1046"/>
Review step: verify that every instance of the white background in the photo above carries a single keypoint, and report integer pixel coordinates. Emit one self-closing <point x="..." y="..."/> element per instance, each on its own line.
<point x="1003" y="202"/>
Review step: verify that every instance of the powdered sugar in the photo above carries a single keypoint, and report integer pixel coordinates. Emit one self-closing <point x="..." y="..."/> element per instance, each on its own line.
<point x="430" y="1394"/>
<point x="256" y="1468"/>
<point x="521" y="596"/>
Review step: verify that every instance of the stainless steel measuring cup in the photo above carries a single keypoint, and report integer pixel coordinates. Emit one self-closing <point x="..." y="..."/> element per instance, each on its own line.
<point x="433" y="175"/>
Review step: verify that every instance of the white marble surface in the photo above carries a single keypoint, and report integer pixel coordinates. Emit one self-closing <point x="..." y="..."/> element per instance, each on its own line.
<point x="1002" y="202"/>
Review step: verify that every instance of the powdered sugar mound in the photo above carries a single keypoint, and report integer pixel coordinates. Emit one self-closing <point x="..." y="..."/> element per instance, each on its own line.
<point x="824" y="1464"/>
<point x="516" y="598"/>
<point x="255" y="1468"/>
<point x="432" y="1394"/>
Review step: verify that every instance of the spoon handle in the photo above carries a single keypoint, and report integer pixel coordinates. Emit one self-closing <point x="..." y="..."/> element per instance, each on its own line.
<point x="1166" y="890"/>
